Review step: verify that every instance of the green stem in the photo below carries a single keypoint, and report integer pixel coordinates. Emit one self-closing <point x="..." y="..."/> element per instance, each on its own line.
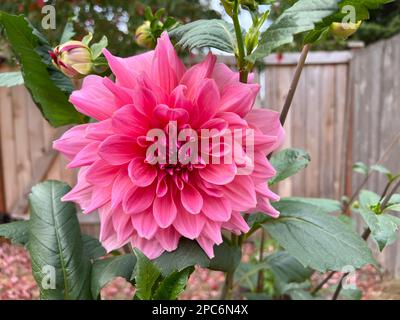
<point x="260" y="277"/>
<point x="241" y="63"/>
<point x="241" y="54"/>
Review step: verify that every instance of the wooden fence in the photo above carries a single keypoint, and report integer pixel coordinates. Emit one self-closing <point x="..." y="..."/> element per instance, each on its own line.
<point x="337" y="116"/>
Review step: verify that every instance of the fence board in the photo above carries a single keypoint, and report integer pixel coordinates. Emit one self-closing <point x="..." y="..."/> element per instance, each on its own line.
<point x="376" y="87"/>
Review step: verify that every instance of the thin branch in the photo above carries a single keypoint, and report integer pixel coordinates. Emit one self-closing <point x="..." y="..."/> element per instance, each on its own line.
<point x="322" y="283"/>
<point x="387" y="198"/>
<point x="295" y="82"/>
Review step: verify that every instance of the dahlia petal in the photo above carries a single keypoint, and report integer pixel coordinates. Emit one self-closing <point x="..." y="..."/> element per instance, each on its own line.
<point x="122" y="225"/>
<point x="81" y="193"/>
<point x="234" y="120"/>
<point x="162" y="187"/>
<point x="166" y="114"/>
<point x="99" y="130"/>
<point x="207" y="245"/>
<point x="212" y="230"/>
<point x="236" y="224"/>
<point x="207" y="101"/>
<point x="217" y="209"/>
<point x="100" y="196"/>
<point x="125" y="76"/>
<point x="94" y="99"/>
<point x="164" y="210"/>
<point x="264" y="205"/>
<point x="117" y="149"/>
<point x="151" y="248"/>
<point x="219" y="174"/>
<point x="268" y="122"/>
<point x="264" y="191"/>
<point x="189" y="225"/>
<point x="144" y="101"/>
<point x="100" y="173"/>
<point x="241" y="193"/>
<point x="129" y="121"/>
<point x="122" y="184"/>
<point x="196" y="74"/>
<point x="191" y="199"/>
<point x="138" y="199"/>
<point x="224" y="76"/>
<point x="178" y="98"/>
<point x="144" y="224"/>
<point x="141" y="173"/>
<point x="72" y="141"/>
<point x="167" y="68"/>
<point x="86" y="156"/>
<point x="168" y="238"/>
<point x="239" y="98"/>
<point x="121" y="94"/>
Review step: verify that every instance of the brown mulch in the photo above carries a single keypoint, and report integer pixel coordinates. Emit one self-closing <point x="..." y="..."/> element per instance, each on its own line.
<point x="16" y="281"/>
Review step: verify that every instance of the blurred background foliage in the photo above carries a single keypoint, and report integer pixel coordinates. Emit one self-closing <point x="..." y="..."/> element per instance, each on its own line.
<point x="383" y="24"/>
<point x="116" y="19"/>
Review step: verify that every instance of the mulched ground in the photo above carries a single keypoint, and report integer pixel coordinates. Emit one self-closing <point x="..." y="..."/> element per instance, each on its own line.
<point x="16" y="281"/>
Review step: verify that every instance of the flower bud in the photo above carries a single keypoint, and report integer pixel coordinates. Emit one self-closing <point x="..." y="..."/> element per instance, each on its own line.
<point x="344" y="30"/>
<point x="73" y="58"/>
<point x="144" y="37"/>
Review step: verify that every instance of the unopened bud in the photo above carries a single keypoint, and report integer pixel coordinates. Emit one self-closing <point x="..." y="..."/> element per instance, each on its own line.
<point x="344" y="30"/>
<point x="73" y="58"/>
<point x="144" y="37"/>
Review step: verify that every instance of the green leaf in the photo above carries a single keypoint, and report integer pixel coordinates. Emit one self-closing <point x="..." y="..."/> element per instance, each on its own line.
<point x="226" y="259"/>
<point x="368" y="199"/>
<point x="97" y="48"/>
<point x="383" y="226"/>
<point x="393" y="207"/>
<point x="92" y="247"/>
<point x="40" y="77"/>
<point x="190" y="254"/>
<point x="186" y="255"/>
<point x="55" y="244"/>
<point x="103" y="271"/>
<point x="287" y="269"/>
<point x="17" y="232"/>
<point x="297" y="291"/>
<point x="301" y="17"/>
<point x="318" y="240"/>
<point x="68" y="32"/>
<point x="173" y="285"/>
<point x="256" y="296"/>
<point x="325" y="205"/>
<point x="87" y="39"/>
<point x="360" y="167"/>
<point x="287" y="163"/>
<point x="146" y="276"/>
<point x="11" y="79"/>
<point x="381" y="169"/>
<point x="206" y="33"/>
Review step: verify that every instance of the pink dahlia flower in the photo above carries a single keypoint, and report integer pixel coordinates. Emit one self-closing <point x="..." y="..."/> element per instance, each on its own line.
<point x="152" y="204"/>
